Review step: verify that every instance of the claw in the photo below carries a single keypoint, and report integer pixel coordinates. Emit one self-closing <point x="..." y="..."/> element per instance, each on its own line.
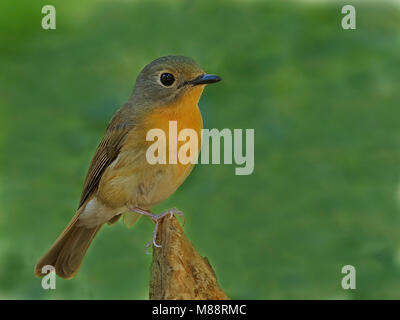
<point x="155" y="235"/>
<point x="155" y="244"/>
<point x="179" y="213"/>
<point x="156" y="219"/>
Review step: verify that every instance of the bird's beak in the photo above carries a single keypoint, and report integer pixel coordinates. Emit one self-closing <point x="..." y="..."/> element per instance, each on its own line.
<point x="205" y="79"/>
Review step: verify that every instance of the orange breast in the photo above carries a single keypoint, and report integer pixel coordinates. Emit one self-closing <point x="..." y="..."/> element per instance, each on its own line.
<point x="185" y="112"/>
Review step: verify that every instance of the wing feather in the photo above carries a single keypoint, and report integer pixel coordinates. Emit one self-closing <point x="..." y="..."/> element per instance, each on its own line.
<point x="107" y="151"/>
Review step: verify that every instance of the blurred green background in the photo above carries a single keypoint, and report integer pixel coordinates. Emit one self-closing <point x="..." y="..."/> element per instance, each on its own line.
<point x="324" y="103"/>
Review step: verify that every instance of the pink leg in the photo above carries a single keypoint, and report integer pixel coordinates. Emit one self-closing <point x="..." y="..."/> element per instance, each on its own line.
<point x="156" y="219"/>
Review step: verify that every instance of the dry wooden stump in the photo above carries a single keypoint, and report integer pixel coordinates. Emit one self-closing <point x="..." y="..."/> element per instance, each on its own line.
<point x="178" y="271"/>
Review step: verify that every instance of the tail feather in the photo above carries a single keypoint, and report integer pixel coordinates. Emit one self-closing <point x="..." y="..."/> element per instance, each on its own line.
<point x="68" y="251"/>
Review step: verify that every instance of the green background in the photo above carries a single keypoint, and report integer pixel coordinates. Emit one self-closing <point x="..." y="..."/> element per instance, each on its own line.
<point x="324" y="103"/>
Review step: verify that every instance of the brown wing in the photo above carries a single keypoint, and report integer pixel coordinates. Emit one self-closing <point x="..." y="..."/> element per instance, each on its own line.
<point x="108" y="149"/>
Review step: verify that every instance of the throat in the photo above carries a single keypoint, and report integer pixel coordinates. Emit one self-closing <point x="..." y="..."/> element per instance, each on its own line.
<point x="184" y="111"/>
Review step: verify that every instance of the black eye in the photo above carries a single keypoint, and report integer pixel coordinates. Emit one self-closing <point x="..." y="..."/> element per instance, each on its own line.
<point x="167" y="79"/>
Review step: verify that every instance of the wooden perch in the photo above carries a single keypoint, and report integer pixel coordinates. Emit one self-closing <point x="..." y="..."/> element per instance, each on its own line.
<point x="178" y="272"/>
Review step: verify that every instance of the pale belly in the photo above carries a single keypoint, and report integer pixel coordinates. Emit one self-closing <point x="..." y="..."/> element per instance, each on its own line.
<point x="132" y="182"/>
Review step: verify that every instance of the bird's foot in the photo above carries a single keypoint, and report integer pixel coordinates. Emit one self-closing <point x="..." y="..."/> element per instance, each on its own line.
<point x="156" y="219"/>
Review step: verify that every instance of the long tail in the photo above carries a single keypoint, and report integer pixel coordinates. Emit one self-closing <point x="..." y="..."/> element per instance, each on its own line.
<point x="68" y="251"/>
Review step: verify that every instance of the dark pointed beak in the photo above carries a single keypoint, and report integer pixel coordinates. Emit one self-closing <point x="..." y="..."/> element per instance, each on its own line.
<point x="205" y="79"/>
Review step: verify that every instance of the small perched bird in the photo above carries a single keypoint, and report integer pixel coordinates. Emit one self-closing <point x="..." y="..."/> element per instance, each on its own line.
<point x="120" y="180"/>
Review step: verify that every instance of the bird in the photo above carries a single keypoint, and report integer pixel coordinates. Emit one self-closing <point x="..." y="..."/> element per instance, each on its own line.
<point x="120" y="180"/>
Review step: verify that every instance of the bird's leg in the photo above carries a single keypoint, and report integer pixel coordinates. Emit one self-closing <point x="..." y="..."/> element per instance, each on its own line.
<point x="156" y="219"/>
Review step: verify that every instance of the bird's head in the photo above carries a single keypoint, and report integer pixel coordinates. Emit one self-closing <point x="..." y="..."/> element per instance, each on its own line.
<point x="169" y="78"/>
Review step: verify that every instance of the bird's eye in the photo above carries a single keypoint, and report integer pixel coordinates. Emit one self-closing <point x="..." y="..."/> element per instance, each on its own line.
<point x="167" y="79"/>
